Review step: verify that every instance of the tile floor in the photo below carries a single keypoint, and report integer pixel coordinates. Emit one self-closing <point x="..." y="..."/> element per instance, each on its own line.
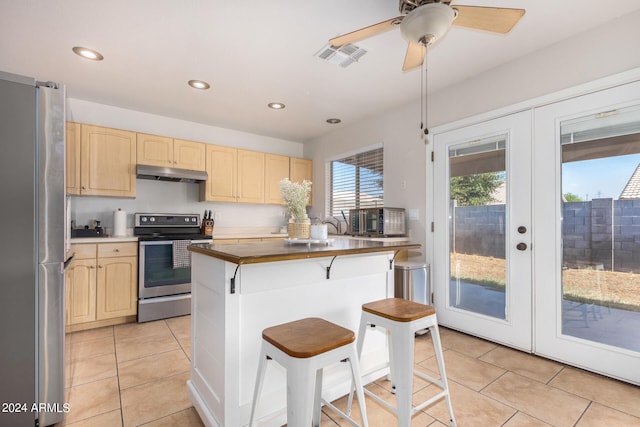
<point x="135" y="374"/>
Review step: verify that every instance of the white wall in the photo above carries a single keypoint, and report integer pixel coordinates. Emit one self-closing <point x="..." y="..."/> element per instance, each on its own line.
<point x="604" y="51"/>
<point x="175" y="197"/>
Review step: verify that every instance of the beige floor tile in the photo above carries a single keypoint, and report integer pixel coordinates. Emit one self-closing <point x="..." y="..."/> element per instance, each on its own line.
<point x="470" y="372"/>
<point x="83" y="371"/>
<point x="93" y="348"/>
<point x="522" y="363"/>
<point x="92" y="334"/>
<point x="423" y="348"/>
<point x="616" y="394"/>
<point x="91" y="399"/>
<point x="108" y="419"/>
<point x="139" y="330"/>
<point x="155" y="400"/>
<point x="598" y="415"/>
<point x="377" y="415"/>
<point x="541" y="401"/>
<point x="186" y="418"/>
<point x="471" y="409"/>
<point x="185" y="344"/>
<point x="465" y="344"/>
<point x="152" y="368"/>
<point x="524" y="420"/>
<point x="180" y="326"/>
<point x="141" y="346"/>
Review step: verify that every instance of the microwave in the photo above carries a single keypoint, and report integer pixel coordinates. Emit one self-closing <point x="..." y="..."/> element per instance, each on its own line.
<point x="377" y="222"/>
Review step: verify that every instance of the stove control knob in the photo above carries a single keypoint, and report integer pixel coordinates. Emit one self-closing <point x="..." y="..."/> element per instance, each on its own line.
<point x="193" y="219"/>
<point x="186" y="219"/>
<point x="143" y="219"/>
<point x="152" y="219"/>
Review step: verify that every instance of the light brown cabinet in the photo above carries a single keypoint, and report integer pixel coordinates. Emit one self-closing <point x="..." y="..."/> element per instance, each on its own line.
<point x="100" y="161"/>
<point x="101" y="284"/>
<point x="276" y="168"/>
<point x="300" y="170"/>
<point x="234" y="175"/>
<point x="163" y="151"/>
<point x="250" y="176"/>
<point x="222" y="168"/>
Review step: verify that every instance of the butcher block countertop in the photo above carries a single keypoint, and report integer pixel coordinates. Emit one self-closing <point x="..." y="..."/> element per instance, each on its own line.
<point x="267" y="251"/>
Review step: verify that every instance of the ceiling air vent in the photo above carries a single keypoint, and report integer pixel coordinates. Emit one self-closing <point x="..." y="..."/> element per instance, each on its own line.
<point x="342" y="56"/>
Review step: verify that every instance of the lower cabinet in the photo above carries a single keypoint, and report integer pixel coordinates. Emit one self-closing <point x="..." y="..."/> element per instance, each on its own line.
<point x="101" y="285"/>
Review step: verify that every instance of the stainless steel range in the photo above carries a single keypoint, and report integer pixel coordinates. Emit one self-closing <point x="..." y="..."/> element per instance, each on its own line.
<point x="164" y="270"/>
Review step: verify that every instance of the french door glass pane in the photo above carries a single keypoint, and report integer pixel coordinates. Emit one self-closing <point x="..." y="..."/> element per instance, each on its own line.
<point x="477" y="215"/>
<point x="601" y="227"/>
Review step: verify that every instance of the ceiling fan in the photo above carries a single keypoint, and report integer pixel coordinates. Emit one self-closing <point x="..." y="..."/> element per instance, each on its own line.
<point x="422" y="22"/>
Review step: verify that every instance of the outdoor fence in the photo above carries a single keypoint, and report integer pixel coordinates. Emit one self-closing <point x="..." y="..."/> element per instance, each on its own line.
<point x="601" y="231"/>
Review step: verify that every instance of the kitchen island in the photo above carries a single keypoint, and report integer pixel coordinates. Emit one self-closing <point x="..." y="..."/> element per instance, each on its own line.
<point x="240" y="289"/>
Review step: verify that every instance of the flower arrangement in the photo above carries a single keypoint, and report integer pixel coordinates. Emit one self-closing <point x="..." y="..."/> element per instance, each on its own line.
<point x="296" y="196"/>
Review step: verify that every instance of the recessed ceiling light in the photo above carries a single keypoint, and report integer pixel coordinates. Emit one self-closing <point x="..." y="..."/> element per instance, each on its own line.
<point x="276" y="105"/>
<point x="199" y="84"/>
<point x="333" y="121"/>
<point x="94" y="55"/>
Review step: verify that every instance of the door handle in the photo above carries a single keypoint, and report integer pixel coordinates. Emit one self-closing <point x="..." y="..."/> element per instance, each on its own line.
<point x="522" y="229"/>
<point x="521" y="246"/>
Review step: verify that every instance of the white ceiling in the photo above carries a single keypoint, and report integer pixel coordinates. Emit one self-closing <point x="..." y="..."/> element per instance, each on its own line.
<point x="255" y="52"/>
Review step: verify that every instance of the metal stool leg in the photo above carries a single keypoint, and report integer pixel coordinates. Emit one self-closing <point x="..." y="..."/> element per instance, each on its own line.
<point x="437" y="346"/>
<point x="262" y="367"/>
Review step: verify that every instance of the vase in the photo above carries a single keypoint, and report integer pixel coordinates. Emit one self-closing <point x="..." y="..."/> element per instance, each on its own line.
<point x="299" y="228"/>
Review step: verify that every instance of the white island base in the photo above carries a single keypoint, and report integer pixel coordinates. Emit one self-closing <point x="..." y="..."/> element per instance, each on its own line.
<point x="227" y="327"/>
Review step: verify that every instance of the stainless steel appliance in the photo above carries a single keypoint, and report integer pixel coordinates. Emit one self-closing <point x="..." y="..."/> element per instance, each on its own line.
<point x="164" y="271"/>
<point x="377" y="222"/>
<point x="32" y="256"/>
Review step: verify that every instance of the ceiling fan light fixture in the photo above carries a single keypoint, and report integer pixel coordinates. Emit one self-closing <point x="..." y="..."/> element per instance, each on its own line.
<point x="427" y="23"/>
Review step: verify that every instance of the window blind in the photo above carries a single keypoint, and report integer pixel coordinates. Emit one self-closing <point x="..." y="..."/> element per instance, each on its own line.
<point x="355" y="181"/>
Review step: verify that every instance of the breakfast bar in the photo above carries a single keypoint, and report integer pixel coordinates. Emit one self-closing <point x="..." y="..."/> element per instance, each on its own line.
<point x="240" y="289"/>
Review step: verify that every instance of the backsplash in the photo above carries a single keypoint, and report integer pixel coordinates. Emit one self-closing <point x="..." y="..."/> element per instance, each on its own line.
<point x="173" y="197"/>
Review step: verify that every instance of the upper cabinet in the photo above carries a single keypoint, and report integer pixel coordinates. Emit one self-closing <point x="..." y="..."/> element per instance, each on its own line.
<point x="300" y="170"/>
<point x="100" y="161"/>
<point x="163" y="151"/>
<point x="222" y="167"/>
<point x="250" y="176"/>
<point x="276" y="168"/>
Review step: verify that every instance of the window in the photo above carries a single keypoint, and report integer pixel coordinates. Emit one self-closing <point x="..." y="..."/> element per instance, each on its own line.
<point x="355" y="181"/>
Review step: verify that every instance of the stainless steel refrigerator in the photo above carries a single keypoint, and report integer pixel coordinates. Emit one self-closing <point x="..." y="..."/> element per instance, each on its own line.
<point x="32" y="253"/>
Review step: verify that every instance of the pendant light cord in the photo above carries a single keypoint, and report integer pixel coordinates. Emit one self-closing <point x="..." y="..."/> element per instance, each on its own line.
<point x="423" y="95"/>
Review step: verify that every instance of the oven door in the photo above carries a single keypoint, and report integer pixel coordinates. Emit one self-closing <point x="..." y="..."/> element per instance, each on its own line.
<point x="156" y="275"/>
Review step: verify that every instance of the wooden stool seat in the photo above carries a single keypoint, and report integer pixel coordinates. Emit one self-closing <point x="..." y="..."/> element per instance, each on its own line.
<point x="304" y="348"/>
<point x="308" y="337"/>
<point x="399" y="310"/>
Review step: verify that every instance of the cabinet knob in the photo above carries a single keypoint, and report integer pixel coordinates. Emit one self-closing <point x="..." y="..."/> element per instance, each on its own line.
<point x="116" y="250"/>
<point x="99" y="266"/>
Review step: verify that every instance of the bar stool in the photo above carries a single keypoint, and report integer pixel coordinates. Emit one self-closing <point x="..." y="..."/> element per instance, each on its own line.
<point x="304" y="347"/>
<point x="402" y="319"/>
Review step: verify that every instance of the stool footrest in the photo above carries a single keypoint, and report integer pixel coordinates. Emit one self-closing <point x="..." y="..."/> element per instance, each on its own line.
<point x="428" y="378"/>
<point x="380" y="401"/>
<point x="342" y="414"/>
<point x="428" y="402"/>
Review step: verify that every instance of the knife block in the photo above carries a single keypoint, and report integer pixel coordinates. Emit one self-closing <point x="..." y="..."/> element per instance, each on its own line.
<point x="207" y="227"/>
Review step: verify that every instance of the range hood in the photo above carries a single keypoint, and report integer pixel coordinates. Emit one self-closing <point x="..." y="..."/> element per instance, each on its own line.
<point x="160" y="173"/>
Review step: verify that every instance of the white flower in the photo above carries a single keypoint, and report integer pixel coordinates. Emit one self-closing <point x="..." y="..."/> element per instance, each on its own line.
<point x="296" y="196"/>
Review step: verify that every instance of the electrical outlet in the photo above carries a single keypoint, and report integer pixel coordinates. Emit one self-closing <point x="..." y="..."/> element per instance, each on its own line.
<point x="217" y="216"/>
<point x="404" y="184"/>
<point x="414" y="214"/>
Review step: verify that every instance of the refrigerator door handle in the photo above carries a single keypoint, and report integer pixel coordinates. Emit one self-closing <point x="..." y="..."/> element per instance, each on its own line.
<point x="68" y="261"/>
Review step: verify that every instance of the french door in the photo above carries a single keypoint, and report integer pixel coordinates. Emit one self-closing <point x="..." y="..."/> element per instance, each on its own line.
<point x="482" y="229"/>
<point x="537" y="230"/>
<point x="587" y="231"/>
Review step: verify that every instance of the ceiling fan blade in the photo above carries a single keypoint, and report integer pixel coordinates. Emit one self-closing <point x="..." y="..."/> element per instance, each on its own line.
<point x="363" y="33"/>
<point x="495" y="19"/>
<point x="414" y="56"/>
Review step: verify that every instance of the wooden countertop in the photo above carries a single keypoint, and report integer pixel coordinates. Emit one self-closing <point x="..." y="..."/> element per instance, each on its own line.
<point x="258" y="252"/>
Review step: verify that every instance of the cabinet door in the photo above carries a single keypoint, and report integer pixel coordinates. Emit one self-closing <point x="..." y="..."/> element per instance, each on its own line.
<point x="73" y="158"/>
<point x="299" y="170"/>
<point x="154" y="150"/>
<point x="276" y="168"/>
<point x="222" y="169"/>
<point x="80" y="283"/>
<point x="116" y="287"/>
<point x="108" y="162"/>
<point x="189" y="155"/>
<point x="250" y="176"/>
